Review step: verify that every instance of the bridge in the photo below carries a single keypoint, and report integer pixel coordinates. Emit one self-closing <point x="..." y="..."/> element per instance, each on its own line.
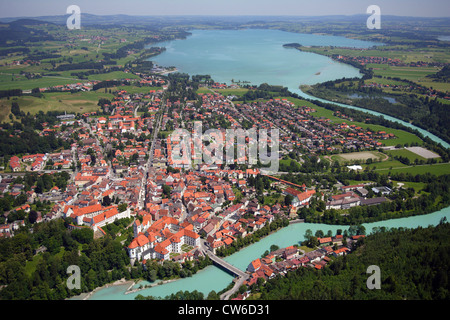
<point x="236" y="272"/>
<point x="225" y="265"/>
<point x="238" y="282"/>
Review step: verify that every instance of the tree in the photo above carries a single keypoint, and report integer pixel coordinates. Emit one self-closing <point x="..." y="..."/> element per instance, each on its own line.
<point x="39" y="186"/>
<point x="288" y="199"/>
<point x="106" y="202"/>
<point x="213" y="296"/>
<point x="15" y="109"/>
<point x="319" y="234"/>
<point x="274" y="247"/>
<point x="32" y="216"/>
<point x="152" y="275"/>
<point x="243" y="289"/>
<point x="83" y="235"/>
<point x="166" y="190"/>
<point x="122" y="207"/>
<point x="308" y="234"/>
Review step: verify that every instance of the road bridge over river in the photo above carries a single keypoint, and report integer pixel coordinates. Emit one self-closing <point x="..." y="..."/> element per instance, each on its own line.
<point x="240" y="275"/>
<point x="225" y="265"/>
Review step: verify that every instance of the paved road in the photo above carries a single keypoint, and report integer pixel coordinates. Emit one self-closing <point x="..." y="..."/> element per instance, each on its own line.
<point x="142" y="194"/>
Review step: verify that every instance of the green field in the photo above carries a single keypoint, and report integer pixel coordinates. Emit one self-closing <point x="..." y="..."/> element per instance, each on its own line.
<point x="225" y="92"/>
<point x="28" y="84"/>
<point x="408" y="73"/>
<point x="79" y="102"/>
<point x="385" y="164"/>
<point x="416" y="74"/>
<point x="232" y="92"/>
<point x="115" y="75"/>
<point x="406" y="54"/>
<point x="436" y="169"/>
<point x="131" y="89"/>
<point x="417" y="186"/>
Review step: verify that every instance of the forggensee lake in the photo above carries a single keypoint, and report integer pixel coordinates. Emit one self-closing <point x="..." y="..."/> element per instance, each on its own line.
<point x="257" y="56"/>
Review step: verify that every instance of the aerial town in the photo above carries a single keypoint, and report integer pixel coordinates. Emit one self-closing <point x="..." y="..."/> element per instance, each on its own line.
<point x="119" y="165"/>
<point x="223" y="157"/>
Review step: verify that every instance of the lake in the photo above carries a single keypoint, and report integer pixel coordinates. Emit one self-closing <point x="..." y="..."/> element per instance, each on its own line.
<point x="355" y="95"/>
<point x="257" y="56"/>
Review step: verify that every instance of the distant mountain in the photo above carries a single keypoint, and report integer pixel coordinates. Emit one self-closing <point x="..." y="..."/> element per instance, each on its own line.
<point x="28" y="22"/>
<point x="92" y="19"/>
<point x="19" y="32"/>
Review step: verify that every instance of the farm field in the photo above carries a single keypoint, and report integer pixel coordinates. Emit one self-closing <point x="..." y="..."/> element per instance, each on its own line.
<point x="408" y="73"/>
<point x="422" y="152"/>
<point x="115" y="75"/>
<point x="416" y="74"/>
<point x="131" y="89"/>
<point x="384" y="164"/>
<point x="79" y="102"/>
<point x="23" y="83"/>
<point x="405" y="153"/>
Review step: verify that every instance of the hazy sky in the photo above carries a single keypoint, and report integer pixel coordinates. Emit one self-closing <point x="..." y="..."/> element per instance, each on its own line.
<point x="33" y="8"/>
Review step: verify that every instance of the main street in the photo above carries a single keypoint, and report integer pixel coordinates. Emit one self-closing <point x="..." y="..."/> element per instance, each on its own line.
<point x="157" y="127"/>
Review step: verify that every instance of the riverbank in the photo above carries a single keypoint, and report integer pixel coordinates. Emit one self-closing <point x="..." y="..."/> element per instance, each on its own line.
<point x="128" y="291"/>
<point x="87" y="295"/>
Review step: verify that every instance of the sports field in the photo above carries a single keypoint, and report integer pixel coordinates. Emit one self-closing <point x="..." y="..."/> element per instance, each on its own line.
<point x="362" y="156"/>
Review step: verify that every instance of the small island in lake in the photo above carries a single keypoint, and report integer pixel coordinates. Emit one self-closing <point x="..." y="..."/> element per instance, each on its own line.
<point x="292" y="45"/>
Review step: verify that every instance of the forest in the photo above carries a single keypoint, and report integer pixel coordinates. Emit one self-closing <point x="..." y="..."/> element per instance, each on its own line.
<point x="21" y="138"/>
<point x="29" y="142"/>
<point x="442" y="75"/>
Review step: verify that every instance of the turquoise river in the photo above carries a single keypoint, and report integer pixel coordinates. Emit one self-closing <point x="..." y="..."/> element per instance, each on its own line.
<point x="257" y="56"/>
